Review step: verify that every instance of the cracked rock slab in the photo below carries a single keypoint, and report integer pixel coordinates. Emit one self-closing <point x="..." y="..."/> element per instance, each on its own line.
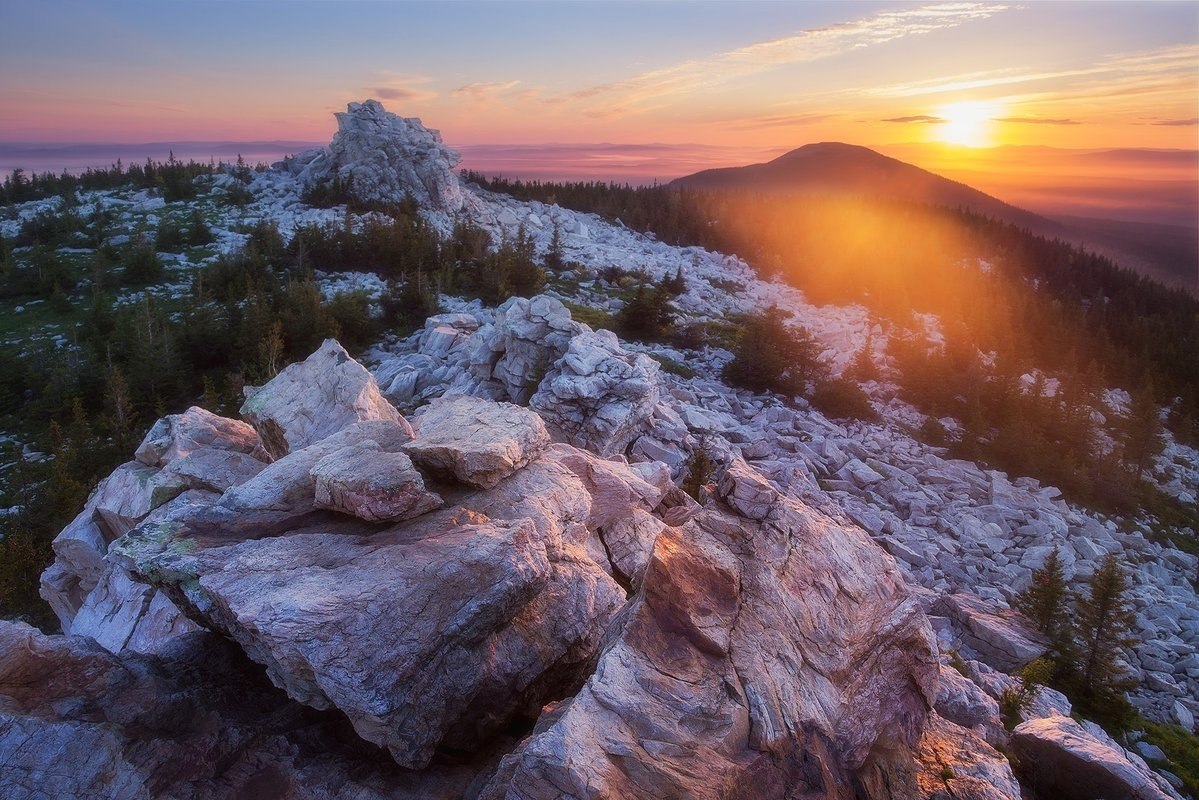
<point x="474" y="441"/>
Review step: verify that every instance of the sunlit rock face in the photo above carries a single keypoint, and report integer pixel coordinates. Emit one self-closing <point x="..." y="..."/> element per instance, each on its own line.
<point x="769" y="657"/>
<point x="384" y="158"/>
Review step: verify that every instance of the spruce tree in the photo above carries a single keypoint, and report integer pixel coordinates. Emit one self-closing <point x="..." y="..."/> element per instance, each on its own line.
<point x="555" y="258"/>
<point x="1143" y="429"/>
<point x="1104" y="620"/>
<point x="1044" y="603"/>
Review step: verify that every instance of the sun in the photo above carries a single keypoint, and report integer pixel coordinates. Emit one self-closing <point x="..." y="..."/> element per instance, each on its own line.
<point x="969" y="123"/>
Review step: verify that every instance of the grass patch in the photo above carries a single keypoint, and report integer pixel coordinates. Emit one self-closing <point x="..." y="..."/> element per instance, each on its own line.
<point x="591" y="316"/>
<point x="1182" y="752"/>
<point x="672" y="367"/>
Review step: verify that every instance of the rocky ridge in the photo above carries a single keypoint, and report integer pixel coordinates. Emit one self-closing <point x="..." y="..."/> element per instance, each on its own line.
<point x="575" y="591"/>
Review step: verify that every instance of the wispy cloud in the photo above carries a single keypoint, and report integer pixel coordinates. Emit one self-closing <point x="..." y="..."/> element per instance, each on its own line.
<point x="918" y="118"/>
<point x="1128" y="66"/>
<point x="481" y="92"/>
<point x="408" y="88"/>
<point x="775" y="121"/>
<point x="1038" y="121"/>
<point x="1178" y="122"/>
<point x="638" y="92"/>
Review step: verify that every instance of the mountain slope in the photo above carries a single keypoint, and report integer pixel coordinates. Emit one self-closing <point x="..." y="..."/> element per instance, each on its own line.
<point x="835" y="168"/>
<point x="845" y="170"/>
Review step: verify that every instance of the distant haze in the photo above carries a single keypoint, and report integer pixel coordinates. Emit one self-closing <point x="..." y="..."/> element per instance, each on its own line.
<point x="1137" y="185"/>
<point x="75" y="158"/>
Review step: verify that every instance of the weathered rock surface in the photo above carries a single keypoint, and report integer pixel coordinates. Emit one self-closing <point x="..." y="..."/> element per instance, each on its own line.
<point x="955" y="764"/>
<point x="526" y="340"/>
<point x="962" y="702"/>
<point x="432" y="633"/>
<point x="999" y="637"/>
<point x="1059" y="757"/>
<point x="759" y="660"/>
<point x="600" y="395"/>
<point x="319" y="396"/>
<point x="183" y="458"/>
<point x="440" y="631"/>
<point x="370" y="484"/>
<point x="77" y="723"/>
<point x="178" y="435"/>
<point x="384" y="158"/>
<point x="475" y="441"/>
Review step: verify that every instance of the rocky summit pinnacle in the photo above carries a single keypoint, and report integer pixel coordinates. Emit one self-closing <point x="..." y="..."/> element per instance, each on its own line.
<point x="384" y="158"/>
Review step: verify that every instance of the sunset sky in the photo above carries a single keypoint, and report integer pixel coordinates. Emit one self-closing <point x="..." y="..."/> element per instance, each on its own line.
<point x="717" y="83"/>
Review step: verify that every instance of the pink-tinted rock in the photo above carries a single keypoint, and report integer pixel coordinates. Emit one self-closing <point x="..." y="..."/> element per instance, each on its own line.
<point x="178" y="435"/>
<point x="760" y="660"/>
<point x="956" y="764"/>
<point x="370" y="484"/>
<point x="312" y="399"/>
<point x="1061" y="758"/>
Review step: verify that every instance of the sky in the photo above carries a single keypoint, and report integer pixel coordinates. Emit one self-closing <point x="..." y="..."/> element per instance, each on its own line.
<point x="675" y="86"/>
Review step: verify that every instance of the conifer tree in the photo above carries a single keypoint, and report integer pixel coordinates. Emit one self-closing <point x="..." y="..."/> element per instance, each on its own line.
<point x="1044" y="602"/>
<point x="772" y="357"/>
<point x="863" y="368"/>
<point x="119" y="405"/>
<point x="555" y="260"/>
<point x="1104" y="621"/>
<point x="1143" y="429"/>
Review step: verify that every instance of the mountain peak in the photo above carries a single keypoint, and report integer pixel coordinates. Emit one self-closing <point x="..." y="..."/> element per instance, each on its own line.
<point x="842" y="169"/>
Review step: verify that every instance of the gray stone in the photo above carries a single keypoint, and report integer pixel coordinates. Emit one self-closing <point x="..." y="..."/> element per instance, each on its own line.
<point x="1058" y="757"/>
<point x="314" y="398"/>
<point x="475" y="441"/>
<point x="599" y="395"/>
<point x="370" y="484"/>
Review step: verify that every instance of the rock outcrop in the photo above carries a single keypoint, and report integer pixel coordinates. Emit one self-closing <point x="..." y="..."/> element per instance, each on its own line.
<point x="383" y="158"/>
<point x="432" y="633"/>
<point x="600" y="395"/>
<point x="186" y="459"/>
<point x="738" y="649"/>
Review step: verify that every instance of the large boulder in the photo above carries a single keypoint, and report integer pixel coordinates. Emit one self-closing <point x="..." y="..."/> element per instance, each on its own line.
<point x="77" y="723"/>
<point x="178" y="435"/>
<point x="598" y="394"/>
<point x="383" y="158"/>
<point x="474" y="441"/>
<point x="314" y="398"/>
<point x="1060" y="757"/>
<point x="782" y="658"/>
<point x="436" y="633"/>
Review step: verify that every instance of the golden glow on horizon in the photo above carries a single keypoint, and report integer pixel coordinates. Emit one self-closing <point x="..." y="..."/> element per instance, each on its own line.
<point x="970" y="123"/>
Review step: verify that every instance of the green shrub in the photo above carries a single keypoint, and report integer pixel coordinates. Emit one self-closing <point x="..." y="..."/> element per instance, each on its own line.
<point x="1182" y="752"/>
<point x="843" y="399"/>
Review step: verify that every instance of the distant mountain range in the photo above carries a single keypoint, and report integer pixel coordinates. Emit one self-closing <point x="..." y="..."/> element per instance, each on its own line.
<point x="1168" y="253"/>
